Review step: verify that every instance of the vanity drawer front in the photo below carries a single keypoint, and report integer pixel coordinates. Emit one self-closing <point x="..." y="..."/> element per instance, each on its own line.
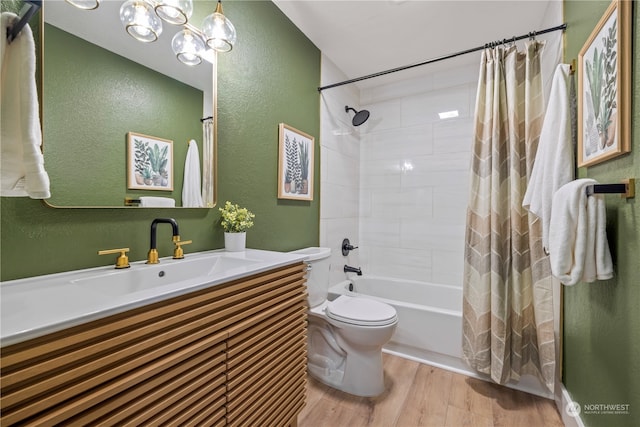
<point x="165" y="362"/>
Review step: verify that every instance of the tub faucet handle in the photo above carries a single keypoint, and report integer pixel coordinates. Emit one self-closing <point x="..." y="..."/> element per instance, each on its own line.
<point x="346" y="247"/>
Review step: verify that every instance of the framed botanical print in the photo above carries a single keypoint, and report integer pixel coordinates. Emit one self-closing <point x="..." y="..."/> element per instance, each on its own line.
<point x="295" y="164"/>
<point x="149" y="162"/>
<point x="604" y="88"/>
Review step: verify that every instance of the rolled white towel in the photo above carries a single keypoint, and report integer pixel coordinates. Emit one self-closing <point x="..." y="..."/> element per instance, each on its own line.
<point x="578" y="247"/>
<point x="157" y="202"/>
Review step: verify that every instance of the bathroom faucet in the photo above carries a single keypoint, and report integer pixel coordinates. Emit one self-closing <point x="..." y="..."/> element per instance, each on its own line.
<point x="349" y="269"/>
<point x="152" y="257"/>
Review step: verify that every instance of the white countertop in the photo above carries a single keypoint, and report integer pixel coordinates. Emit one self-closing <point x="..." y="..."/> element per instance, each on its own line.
<point x="36" y="306"/>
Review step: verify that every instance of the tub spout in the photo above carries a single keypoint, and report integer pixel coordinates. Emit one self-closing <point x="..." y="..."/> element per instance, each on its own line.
<point x="349" y="269"/>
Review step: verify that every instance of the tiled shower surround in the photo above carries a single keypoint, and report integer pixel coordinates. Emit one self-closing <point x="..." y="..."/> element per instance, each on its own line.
<point x="414" y="176"/>
<point x="397" y="185"/>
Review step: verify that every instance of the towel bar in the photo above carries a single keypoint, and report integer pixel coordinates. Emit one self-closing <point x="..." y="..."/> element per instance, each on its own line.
<point x="28" y="10"/>
<point x="626" y="189"/>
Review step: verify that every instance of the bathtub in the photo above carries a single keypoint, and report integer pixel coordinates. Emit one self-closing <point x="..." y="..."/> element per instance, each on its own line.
<point x="429" y="323"/>
<point x="429" y="317"/>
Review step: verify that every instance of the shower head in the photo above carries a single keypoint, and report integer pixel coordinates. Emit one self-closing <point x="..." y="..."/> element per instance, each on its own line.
<point x="360" y="117"/>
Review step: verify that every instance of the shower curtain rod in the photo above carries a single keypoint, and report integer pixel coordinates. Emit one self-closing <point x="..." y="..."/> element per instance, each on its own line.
<point x="441" y="58"/>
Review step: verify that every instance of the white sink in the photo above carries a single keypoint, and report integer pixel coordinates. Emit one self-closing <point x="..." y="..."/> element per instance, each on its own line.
<point x="38" y="305"/>
<point x="143" y="277"/>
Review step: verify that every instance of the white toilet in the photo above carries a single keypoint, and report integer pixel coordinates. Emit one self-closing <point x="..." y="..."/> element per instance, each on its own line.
<point x="345" y="335"/>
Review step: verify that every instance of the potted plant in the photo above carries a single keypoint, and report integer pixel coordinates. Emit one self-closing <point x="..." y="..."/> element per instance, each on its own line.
<point x="304" y="167"/>
<point x="601" y="74"/>
<point x="291" y="150"/>
<point x="158" y="160"/>
<point x="235" y="221"/>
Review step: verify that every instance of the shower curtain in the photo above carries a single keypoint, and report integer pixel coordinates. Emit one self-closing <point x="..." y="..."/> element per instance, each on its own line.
<point x="508" y="305"/>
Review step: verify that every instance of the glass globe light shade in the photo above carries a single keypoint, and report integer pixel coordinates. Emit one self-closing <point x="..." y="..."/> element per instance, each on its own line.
<point x="188" y="47"/>
<point x="85" y="4"/>
<point x="220" y="34"/>
<point x="140" y="21"/>
<point x="175" y="12"/>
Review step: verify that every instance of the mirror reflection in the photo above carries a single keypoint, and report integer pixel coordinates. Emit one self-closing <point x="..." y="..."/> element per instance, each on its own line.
<point x="119" y="114"/>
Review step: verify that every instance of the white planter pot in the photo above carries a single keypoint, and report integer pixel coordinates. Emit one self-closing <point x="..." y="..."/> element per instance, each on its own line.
<point x="235" y="242"/>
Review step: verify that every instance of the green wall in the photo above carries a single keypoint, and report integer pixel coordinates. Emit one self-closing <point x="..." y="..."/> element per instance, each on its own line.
<point x="269" y="77"/>
<point x="125" y="97"/>
<point x="602" y="319"/>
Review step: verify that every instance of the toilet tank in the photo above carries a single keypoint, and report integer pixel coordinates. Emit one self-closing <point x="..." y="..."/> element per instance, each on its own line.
<point x="318" y="262"/>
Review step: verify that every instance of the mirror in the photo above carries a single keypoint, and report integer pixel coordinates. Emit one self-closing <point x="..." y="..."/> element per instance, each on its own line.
<point x="100" y="86"/>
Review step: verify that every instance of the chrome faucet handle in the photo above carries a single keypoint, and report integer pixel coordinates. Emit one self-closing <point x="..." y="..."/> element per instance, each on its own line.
<point x="346" y="247"/>
<point x="122" y="261"/>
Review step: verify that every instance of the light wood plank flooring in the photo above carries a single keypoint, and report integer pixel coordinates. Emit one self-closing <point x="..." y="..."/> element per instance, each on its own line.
<point x="422" y="395"/>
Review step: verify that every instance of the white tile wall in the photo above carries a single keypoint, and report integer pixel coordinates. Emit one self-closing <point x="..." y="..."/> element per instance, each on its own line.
<point x="397" y="185"/>
<point x="414" y="177"/>
<point x="340" y="170"/>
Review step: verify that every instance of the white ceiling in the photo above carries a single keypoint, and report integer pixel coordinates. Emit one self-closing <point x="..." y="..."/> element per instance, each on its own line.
<point x="363" y="37"/>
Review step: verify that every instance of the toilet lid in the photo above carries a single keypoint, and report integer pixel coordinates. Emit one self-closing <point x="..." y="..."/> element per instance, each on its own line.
<point x="361" y="311"/>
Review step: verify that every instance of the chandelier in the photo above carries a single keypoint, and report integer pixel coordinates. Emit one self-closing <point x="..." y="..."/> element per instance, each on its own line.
<point x="142" y="19"/>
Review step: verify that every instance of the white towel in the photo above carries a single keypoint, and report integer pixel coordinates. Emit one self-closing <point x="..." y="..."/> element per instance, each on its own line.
<point x="157" y="202"/>
<point x="22" y="163"/>
<point x="553" y="166"/>
<point x="191" y="191"/>
<point x="578" y="245"/>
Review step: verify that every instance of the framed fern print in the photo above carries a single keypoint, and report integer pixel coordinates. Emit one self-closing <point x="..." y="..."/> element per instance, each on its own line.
<point x="149" y="162"/>
<point x="295" y="164"/>
<point x="604" y="88"/>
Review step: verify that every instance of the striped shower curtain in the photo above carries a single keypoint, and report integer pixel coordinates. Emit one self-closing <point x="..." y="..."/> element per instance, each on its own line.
<point x="508" y="306"/>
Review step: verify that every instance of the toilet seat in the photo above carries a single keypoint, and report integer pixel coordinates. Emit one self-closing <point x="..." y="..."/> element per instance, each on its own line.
<point x="361" y="311"/>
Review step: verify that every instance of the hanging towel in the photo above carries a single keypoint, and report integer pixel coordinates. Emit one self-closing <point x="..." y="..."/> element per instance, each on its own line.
<point x="553" y="165"/>
<point x="191" y="191"/>
<point x="157" y="202"/>
<point x="578" y="245"/>
<point x="22" y="170"/>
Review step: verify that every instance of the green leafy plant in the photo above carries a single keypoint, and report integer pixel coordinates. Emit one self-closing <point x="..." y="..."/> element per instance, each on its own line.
<point x="147" y="174"/>
<point x="304" y="160"/>
<point x="141" y="156"/>
<point x="235" y="219"/>
<point x="601" y="73"/>
<point x="158" y="158"/>
<point x="291" y="153"/>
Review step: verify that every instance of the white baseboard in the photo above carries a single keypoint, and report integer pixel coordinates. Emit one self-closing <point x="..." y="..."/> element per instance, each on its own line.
<point x="562" y="403"/>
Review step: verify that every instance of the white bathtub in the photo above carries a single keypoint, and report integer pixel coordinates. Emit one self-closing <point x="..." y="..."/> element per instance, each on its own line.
<point x="429" y="317"/>
<point x="429" y="323"/>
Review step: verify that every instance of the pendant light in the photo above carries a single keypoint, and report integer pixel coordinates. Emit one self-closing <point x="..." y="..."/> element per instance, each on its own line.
<point x="143" y="20"/>
<point x="188" y="47"/>
<point x="176" y="12"/>
<point x="140" y="21"/>
<point x="85" y="4"/>
<point x="219" y="32"/>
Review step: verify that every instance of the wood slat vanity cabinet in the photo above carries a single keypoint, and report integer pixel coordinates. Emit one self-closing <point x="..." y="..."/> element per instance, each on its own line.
<point x="231" y="355"/>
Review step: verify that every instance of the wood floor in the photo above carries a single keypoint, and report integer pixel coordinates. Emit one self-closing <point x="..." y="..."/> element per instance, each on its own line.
<point x="422" y="395"/>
